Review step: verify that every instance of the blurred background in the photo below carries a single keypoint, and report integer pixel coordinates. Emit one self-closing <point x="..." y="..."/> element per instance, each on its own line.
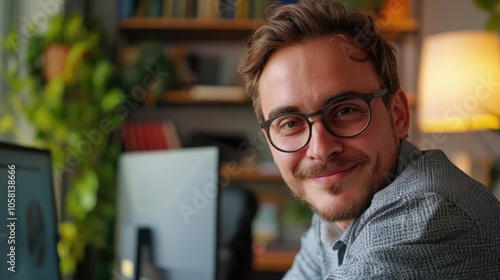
<point x="91" y="80"/>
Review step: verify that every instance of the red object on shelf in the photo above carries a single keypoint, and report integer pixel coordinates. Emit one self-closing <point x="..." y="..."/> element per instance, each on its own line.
<point x="146" y="136"/>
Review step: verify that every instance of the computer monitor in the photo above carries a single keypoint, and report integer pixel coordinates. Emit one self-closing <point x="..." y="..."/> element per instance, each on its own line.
<point x="28" y="235"/>
<point x="174" y="194"/>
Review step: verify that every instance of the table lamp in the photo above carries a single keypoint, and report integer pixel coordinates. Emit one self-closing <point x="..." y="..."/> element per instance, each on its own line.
<point x="459" y="85"/>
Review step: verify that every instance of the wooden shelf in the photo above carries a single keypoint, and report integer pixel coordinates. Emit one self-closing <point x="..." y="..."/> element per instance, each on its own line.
<point x="273" y="260"/>
<point x="190" y="24"/>
<point x="184" y="97"/>
<point x="239" y="173"/>
<point x="230" y="29"/>
<point x="188" y="29"/>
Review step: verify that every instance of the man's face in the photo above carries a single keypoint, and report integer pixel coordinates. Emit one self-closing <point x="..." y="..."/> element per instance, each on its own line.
<point x="336" y="176"/>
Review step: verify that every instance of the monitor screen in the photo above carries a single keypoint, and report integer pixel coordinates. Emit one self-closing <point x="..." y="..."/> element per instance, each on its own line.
<point x="174" y="194"/>
<point x="28" y="236"/>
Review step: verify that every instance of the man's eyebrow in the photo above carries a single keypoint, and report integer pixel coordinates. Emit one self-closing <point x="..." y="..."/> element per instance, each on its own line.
<point x="294" y="109"/>
<point x="282" y="110"/>
<point x="339" y="94"/>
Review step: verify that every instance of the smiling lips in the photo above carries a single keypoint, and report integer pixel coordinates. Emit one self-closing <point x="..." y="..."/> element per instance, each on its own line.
<point x="333" y="175"/>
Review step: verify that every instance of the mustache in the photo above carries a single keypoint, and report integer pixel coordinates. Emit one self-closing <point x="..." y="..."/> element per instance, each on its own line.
<point x="312" y="169"/>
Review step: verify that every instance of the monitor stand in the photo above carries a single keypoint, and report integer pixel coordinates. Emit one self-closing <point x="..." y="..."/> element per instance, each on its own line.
<point x="145" y="268"/>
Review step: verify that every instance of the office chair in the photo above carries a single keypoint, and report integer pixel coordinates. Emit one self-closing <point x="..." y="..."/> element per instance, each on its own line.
<point x="237" y="210"/>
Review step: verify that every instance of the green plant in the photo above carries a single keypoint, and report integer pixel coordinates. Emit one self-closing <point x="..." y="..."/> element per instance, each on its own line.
<point x="297" y="213"/>
<point x="73" y="114"/>
<point x="493" y="9"/>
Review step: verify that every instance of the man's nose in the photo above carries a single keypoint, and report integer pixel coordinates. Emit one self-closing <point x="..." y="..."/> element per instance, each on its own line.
<point x="322" y="143"/>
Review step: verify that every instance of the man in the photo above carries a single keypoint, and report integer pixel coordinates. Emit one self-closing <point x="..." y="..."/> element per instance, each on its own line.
<point x="326" y="90"/>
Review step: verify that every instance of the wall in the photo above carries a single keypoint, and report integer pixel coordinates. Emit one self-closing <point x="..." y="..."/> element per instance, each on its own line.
<point x="452" y="15"/>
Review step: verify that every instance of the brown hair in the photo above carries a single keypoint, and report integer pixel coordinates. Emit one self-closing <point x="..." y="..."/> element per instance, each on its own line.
<point x="288" y="25"/>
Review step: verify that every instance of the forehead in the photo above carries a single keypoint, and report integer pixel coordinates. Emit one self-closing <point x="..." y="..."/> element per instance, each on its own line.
<point x="305" y="75"/>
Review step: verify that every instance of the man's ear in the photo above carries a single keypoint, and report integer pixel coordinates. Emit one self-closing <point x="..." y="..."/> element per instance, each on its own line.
<point x="400" y="114"/>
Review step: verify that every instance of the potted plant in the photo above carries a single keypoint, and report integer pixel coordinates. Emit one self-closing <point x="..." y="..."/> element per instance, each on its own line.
<point x="65" y="87"/>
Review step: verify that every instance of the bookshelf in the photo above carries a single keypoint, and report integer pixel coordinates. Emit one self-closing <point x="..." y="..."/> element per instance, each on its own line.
<point x="162" y="24"/>
<point x="228" y="29"/>
<point x="182" y="97"/>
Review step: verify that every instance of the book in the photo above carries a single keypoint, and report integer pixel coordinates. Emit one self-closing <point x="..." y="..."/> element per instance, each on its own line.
<point x="156" y="8"/>
<point x="241" y="9"/>
<point x="149" y="135"/>
<point x="168" y="8"/>
<point x="143" y="8"/>
<point x="170" y="134"/>
<point x="129" y="137"/>
<point x="191" y="8"/>
<point x="258" y="8"/>
<point x="179" y="8"/>
<point x="126" y="9"/>
<point x="227" y="9"/>
<point x="207" y="9"/>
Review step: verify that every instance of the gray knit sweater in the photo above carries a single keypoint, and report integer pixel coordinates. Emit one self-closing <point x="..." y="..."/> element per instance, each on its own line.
<point x="431" y="222"/>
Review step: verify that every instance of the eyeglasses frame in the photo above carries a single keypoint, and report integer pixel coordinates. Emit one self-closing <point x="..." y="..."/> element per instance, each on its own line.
<point x="367" y="97"/>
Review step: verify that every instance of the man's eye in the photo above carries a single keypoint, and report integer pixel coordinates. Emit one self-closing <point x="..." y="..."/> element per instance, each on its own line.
<point x="289" y="124"/>
<point x="345" y="111"/>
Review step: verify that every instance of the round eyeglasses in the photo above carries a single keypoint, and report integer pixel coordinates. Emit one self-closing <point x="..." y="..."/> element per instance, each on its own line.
<point x="345" y="116"/>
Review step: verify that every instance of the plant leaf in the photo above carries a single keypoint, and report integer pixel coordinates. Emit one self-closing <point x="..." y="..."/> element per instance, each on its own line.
<point x="74" y="28"/>
<point x="493" y="23"/>
<point x="102" y="73"/>
<point x="11" y="42"/>
<point x="55" y="30"/>
<point x="7" y="123"/>
<point x="486" y="5"/>
<point x="43" y="119"/>
<point x="74" y="207"/>
<point x="54" y="92"/>
<point x="85" y="187"/>
<point x="112" y="99"/>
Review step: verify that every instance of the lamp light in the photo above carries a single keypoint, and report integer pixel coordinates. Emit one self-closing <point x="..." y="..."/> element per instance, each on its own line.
<point x="459" y="85"/>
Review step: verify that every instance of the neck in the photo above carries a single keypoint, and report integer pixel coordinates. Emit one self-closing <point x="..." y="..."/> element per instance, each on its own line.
<point x="343" y="224"/>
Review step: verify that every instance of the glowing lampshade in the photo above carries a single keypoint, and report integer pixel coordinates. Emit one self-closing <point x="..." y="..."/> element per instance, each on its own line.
<point x="459" y="85"/>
